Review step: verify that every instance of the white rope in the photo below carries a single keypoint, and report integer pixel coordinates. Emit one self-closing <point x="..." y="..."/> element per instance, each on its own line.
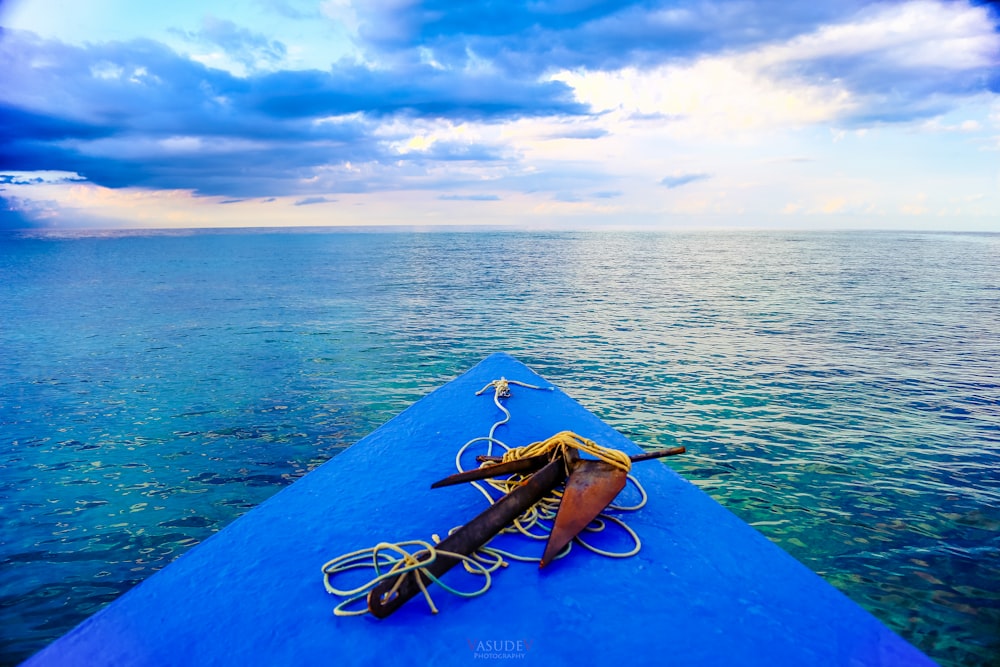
<point x="487" y="559"/>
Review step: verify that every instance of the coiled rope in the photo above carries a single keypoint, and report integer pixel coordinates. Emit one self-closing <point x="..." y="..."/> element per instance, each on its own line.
<point x="403" y="562"/>
<point x="487" y="559"/>
<point x="569" y="440"/>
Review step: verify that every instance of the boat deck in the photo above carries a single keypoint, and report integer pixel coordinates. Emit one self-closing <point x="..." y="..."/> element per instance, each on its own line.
<point x="706" y="588"/>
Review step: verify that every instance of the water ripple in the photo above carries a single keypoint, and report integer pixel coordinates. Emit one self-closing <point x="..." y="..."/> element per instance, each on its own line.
<point x="838" y="391"/>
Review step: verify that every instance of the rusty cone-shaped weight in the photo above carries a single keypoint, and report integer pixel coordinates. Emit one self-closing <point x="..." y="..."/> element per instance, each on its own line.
<point x="591" y="487"/>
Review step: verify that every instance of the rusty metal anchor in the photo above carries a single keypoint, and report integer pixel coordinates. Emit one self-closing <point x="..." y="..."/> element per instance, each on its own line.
<point x="590" y="486"/>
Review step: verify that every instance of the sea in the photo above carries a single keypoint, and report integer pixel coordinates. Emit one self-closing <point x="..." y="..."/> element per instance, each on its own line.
<point x="839" y="391"/>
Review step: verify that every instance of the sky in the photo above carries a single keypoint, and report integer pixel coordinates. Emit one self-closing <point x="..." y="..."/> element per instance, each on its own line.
<point x="827" y="114"/>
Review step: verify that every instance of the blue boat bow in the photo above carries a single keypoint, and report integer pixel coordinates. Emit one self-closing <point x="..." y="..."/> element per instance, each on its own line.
<point x="705" y="589"/>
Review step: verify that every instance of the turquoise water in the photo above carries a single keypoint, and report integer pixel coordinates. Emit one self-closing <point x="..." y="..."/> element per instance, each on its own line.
<point x="839" y="391"/>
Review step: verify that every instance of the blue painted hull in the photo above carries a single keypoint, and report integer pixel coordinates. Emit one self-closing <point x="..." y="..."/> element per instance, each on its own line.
<point x="706" y="589"/>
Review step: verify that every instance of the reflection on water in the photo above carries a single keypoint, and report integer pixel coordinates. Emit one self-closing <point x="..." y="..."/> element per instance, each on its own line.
<point x="837" y="391"/>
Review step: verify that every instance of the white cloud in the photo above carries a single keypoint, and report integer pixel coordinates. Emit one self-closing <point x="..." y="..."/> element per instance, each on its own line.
<point x="106" y="70"/>
<point x="343" y="12"/>
<point x="916" y="206"/>
<point x="408" y="135"/>
<point x="742" y="117"/>
<point x="38" y="177"/>
<point x="911" y="35"/>
<point x="222" y="61"/>
<point x="738" y="93"/>
<point x="714" y="96"/>
<point x="995" y="114"/>
<point x="182" y="144"/>
<point x="834" y="205"/>
<point x="678" y="179"/>
<point x="936" y="125"/>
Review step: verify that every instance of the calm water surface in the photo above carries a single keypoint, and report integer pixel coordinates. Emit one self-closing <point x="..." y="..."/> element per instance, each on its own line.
<point x="839" y="391"/>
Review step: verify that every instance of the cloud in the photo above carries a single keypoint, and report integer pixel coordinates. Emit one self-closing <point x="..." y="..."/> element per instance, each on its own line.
<point x="791" y="159"/>
<point x="136" y="113"/>
<point x="581" y="133"/>
<point x="900" y="61"/>
<point x="833" y="205"/>
<point x="884" y="64"/>
<point x="17" y="212"/>
<point x="285" y="8"/>
<point x="566" y="99"/>
<point x="38" y="177"/>
<point x="711" y="97"/>
<point x="18" y="124"/>
<point x="469" y="197"/>
<point x="936" y="125"/>
<point x="677" y="180"/>
<point x="252" y="51"/>
<point x="416" y="89"/>
<point x="446" y="151"/>
<point x="11" y="215"/>
<point x="309" y="201"/>
<point x="541" y="35"/>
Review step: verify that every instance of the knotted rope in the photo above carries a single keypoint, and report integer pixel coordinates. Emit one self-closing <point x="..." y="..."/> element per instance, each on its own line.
<point x="405" y="563"/>
<point x="487" y="559"/>
<point x="568" y="440"/>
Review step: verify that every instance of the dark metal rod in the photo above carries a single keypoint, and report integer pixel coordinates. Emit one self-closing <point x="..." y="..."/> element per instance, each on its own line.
<point x="655" y="454"/>
<point x="470" y="537"/>
<point x="509" y="468"/>
<point x="658" y="454"/>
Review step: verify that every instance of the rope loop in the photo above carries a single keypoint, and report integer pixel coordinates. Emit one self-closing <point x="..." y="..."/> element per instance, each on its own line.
<point x="403" y="563"/>
<point x="411" y="558"/>
<point x="502" y="387"/>
<point x="565" y="440"/>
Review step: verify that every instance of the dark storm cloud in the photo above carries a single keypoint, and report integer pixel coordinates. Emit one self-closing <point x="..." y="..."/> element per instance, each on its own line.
<point x="109" y="112"/>
<point x="536" y="37"/>
<point x="540" y="35"/>
<point x="417" y="89"/>
<point x="12" y="215"/>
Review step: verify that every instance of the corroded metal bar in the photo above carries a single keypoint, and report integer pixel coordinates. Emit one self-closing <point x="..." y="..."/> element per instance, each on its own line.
<point x="645" y="456"/>
<point x="469" y="537"/>
<point x="509" y="468"/>
<point x="658" y="454"/>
